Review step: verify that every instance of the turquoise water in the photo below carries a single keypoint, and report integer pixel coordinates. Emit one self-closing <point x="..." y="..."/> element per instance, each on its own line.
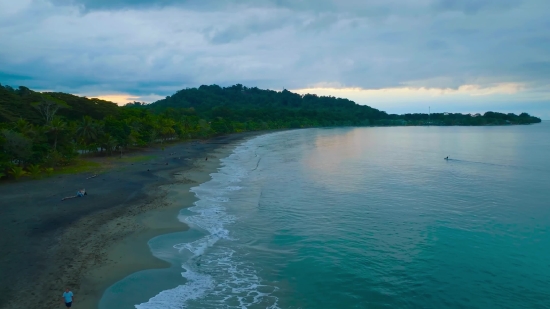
<point x="365" y="218"/>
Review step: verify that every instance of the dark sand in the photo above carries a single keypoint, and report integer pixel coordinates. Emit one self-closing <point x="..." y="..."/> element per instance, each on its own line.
<point x="90" y="243"/>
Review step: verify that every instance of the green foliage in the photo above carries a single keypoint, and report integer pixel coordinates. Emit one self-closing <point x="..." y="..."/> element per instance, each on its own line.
<point x="15" y="104"/>
<point x="53" y="129"/>
<point x="53" y="158"/>
<point x="34" y="170"/>
<point x="80" y="107"/>
<point x="48" y="107"/>
<point x="255" y="109"/>
<point x="56" y="127"/>
<point x="23" y="103"/>
<point x="17" y="172"/>
<point x="284" y="109"/>
<point x="17" y="146"/>
<point x="109" y="143"/>
<point x="450" y="119"/>
<point x="49" y="171"/>
<point x="88" y="130"/>
<point x="78" y="166"/>
<point x="136" y="159"/>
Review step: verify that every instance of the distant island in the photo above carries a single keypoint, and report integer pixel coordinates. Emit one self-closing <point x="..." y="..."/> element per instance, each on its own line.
<point x="40" y="131"/>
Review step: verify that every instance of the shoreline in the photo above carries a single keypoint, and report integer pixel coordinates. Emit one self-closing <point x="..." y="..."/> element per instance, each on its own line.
<point x="154" y="222"/>
<point x="91" y="243"/>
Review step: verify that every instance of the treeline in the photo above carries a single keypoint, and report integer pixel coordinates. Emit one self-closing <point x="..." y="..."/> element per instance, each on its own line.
<point x="290" y="110"/>
<point x="458" y="119"/>
<point x="283" y="109"/>
<point x="42" y="131"/>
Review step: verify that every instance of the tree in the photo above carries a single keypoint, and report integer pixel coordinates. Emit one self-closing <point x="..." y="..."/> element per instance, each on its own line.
<point x="17" y="146"/>
<point x="48" y="107"/>
<point x="56" y="127"/>
<point x="109" y="143"/>
<point x="204" y="127"/>
<point x="166" y="128"/>
<point x="118" y="129"/>
<point x="87" y="130"/>
<point x="24" y="127"/>
<point x="220" y="126"/>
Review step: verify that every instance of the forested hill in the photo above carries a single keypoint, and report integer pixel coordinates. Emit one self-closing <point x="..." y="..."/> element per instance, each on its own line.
<point x="287" y="109"/>
<point x="21" y="103"/>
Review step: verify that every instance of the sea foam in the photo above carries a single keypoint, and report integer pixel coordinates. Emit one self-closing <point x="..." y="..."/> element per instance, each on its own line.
<point x="215" y="275"/>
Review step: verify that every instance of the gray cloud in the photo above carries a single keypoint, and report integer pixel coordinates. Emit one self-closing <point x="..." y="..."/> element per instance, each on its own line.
<point x="157" y="47"/>
<point x="122" y="4"/>
<point x="474" y="6"/>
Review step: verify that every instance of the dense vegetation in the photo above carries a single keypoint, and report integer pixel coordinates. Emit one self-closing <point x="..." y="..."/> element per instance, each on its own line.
<point x="457" y="119"/>
<point x="42" y="131"/>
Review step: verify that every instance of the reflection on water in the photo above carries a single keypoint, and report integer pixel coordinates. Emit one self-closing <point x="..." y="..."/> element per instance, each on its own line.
<point x="369" y="218"/>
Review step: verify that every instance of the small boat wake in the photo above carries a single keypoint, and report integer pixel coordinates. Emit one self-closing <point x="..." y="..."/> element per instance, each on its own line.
<point x="497" y="164"/>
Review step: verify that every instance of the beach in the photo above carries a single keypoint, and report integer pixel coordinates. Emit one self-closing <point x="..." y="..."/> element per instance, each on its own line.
<point x="89" y="243"/>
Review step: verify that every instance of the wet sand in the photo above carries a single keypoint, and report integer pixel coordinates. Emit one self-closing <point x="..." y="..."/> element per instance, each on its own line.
<point x="92" y="242"/>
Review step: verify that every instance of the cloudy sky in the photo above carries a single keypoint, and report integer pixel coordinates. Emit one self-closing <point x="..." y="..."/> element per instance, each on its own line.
<point x="395" y="55"/>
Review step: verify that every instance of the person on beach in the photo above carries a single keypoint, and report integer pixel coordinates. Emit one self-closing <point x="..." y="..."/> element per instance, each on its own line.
<point x="79" y="193"/>
<point x="67" y="298"/>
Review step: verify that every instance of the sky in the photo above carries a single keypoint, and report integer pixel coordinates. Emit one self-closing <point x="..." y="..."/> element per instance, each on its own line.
<point x="399" y="56"/>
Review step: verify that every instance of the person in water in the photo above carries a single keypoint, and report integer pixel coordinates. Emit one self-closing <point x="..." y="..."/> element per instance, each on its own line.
<point x="79" y="193"/>
<point x="447" y="158"/>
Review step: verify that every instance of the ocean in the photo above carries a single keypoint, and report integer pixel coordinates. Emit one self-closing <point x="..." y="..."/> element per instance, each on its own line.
<point x="369" y="217"/>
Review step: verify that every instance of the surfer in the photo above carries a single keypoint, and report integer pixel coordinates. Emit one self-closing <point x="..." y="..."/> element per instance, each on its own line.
<point x="447" y="158"/>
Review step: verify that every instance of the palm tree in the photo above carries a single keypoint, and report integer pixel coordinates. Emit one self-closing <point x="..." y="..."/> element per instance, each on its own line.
<point x="56" y="126"/>
<point x="24" y="127"/>
<point x="87" y="130"/>
<point x="109" y="143"/>
<point x="21" y="125"/>
<point x="136" y="128"/>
